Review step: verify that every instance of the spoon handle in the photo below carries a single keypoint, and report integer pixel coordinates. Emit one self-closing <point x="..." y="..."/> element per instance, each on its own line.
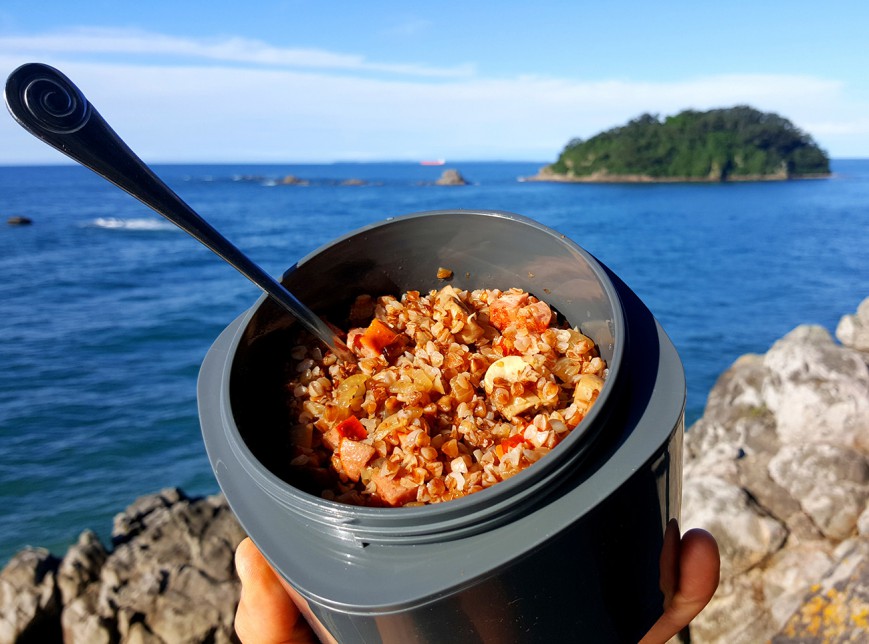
<point x="49" y="106"/>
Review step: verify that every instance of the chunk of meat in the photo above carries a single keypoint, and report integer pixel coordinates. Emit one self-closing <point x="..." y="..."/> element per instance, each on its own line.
<point x="392" y="492"/>
<point x="516" y="310"/>
<point x="503" y="311"/>
<point x="354" y="457"/>
<point x="331" y="438"/>
<point x="535" y="316"/>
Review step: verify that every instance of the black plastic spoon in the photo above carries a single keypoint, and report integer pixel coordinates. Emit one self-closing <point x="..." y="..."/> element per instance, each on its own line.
<point x="49" y="106"/>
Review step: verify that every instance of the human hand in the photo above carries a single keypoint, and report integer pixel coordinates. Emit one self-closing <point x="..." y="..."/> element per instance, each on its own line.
<point x="269" y="610"/>
<point x="266" y="611"/>
<point x="690" y="570"/>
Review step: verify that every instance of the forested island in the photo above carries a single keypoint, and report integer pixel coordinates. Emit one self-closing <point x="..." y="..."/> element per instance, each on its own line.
<point x="728" y="144"/>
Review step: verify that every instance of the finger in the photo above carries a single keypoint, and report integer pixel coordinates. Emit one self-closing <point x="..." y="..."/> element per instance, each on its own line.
<point x="699" y="570"/>
<point x="266" y="614"/>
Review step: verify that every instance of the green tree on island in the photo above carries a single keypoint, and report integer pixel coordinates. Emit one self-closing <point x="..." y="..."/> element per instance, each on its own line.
<point x="739" y="143"/>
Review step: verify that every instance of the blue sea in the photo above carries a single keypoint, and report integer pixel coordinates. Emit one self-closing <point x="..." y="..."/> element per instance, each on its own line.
<point x="108" y="310"/>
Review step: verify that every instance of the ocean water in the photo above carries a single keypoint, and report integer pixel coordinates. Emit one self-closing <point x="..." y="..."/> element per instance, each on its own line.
<point x="108" y="310"/>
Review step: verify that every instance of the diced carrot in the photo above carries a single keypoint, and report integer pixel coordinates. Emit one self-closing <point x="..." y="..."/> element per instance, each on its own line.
<point x="512" y="441"/>
<point x="377" y="336"/>
<point x="350" y="427"/>
<point x="506" y="345"/>
<point x="508" y="443"/>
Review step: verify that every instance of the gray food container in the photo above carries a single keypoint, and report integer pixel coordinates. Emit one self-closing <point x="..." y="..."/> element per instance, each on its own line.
<point x="567" y="550"/>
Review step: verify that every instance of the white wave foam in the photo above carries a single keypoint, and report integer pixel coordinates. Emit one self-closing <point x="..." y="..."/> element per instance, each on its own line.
<point x="118" y="223"/>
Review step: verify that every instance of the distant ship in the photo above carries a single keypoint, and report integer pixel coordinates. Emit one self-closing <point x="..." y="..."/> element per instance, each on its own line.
<point x="433" y="162"/>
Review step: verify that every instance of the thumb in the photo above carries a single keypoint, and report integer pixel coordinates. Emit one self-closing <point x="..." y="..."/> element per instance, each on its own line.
<point x="266" y="614"/>
<point x="699" y="570"/>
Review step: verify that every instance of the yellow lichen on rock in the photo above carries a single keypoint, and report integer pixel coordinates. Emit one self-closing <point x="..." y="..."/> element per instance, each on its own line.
<point x="829" y="616"/>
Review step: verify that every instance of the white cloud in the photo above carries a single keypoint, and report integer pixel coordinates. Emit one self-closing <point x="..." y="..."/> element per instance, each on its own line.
<point x="284" y="112"/>
<point x="231" y="49"/>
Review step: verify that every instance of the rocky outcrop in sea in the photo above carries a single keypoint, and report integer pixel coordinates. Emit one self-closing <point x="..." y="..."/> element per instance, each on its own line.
<point x="451" y="178"/>
<point x="293" y="180"/>
<point x="777" y="469"/>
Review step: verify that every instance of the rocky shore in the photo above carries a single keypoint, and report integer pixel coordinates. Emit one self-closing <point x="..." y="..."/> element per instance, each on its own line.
<point x="547" y="174"/>
<point x="777" y="469"/>
<point x="168" y="577"/>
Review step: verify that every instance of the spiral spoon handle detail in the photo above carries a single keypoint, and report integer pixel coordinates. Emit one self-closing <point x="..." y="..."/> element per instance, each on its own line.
<point x="49" y="106"/>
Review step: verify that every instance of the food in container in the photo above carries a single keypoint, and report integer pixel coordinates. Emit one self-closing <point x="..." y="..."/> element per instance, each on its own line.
<point x="454" y="391"/>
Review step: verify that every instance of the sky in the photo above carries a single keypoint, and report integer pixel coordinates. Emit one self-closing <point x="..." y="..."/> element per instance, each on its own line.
<point x="302" y="82"/>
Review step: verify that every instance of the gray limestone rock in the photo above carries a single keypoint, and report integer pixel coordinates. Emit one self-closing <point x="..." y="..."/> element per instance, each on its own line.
<point x="29" y="598"/>
<point x="831" y="484"/>
<point x="784" y="441"/>
<point x="853" y="330"/>
<point x="818" y="390"/>
<point x="170" y="578"/>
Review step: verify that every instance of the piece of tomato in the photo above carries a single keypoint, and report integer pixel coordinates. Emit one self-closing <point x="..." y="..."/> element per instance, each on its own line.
<point x="351" y="428"/>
